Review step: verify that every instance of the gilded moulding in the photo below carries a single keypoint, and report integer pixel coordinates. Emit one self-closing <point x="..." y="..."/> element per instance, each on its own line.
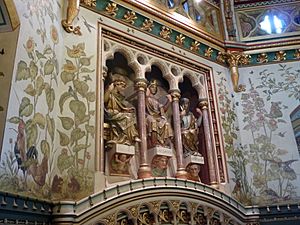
<point x="147" y="25"/>
<point x="130" y="17"/>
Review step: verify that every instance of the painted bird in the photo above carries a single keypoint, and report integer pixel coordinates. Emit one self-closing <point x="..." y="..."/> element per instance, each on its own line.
<point x="88" y="26"/>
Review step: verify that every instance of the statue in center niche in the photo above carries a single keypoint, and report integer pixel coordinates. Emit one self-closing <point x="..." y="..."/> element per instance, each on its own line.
<point x="119" y="113"/>
<point x="159" y="130"/>
<point x="189" y="128"/>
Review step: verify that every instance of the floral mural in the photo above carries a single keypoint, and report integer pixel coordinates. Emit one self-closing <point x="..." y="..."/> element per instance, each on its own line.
<point x="78" y="131"/>
<point x="263" y="169"/>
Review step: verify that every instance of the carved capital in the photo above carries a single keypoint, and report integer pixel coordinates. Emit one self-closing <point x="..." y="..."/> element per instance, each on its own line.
<point x="234" y="59"/>
<point x="141" y="84"/>
<point x="203" y="105"/>
<point x="175" y="95"/>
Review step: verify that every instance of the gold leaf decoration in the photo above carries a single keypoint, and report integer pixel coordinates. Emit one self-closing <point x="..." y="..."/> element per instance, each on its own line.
<point x="208" y="52"/>
<point x="262" y="58"/>
<point x="280" y="56"/>
<point x="221" y="57"/>
<point x="195" y="46"/>
<point x="130" y="17"/>
<point x="111" y="9"/>
<point x="91" y="3"/>
<point x="180" y="39"/>
<point x="297" y="54"/>
<point x="147" y="25"/>
<point x="165" y="32"/>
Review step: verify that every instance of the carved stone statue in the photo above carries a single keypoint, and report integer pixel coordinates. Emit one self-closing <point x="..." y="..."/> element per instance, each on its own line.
<point x="189" y="128"/>
<point x="119" y="113"/>
<point x="159" y="129"/>
<point x="159" y="166"/>
<point x="120" y="164"/>
<point x="193" y="170"/>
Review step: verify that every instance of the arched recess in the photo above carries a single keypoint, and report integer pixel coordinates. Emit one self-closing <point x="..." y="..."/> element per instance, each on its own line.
<point x="9" y="32"/>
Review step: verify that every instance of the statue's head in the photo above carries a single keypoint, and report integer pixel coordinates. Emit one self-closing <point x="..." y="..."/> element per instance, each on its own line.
<point x="153" y="86"/>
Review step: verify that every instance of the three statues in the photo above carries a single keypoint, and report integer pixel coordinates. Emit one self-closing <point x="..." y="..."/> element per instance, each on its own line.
<point x="120" y="115"/>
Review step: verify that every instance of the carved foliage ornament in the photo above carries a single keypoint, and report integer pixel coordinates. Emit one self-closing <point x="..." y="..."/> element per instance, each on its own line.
<point x="130" y="17"/>
<point x="195" y="46"/>
<point x="165" y="32"/>
<point x="180" y="39"/>
<point x="112" y="9"/>
<point x="147" y="25"/>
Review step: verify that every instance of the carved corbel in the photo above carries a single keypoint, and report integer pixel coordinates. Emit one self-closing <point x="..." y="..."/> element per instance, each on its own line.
<point x="72" y="12"/>
<point x="234" y="59"/>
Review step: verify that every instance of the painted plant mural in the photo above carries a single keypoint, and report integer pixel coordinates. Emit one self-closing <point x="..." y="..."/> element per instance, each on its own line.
<point x="78" y="130"/>
<point x="31" y="155"/>
<point x="270" y="168"/>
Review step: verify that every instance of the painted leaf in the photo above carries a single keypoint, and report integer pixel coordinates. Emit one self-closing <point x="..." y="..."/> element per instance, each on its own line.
<point x="86" y="70"/>
<point x="76" y="135"/>
<point x="39" y="119"/>
<point x="67" y="77"/>
<point x="14" y="120"/>
<point x="67" y="122"/>
<point x="31" y="133"/>
<point x="48" y="50"/>
<point x="80" y="147"/>
<point x="90" y="129"/>
<point x="85" y="61"/>
<point x="78" y="108"/>
<point x="39" y="55"/>
<point x="81" y="87"/>
<point x="91" y="97"/>
<point x="64" y="162"/>
<point x="50" y="126"/>
<point x="50" y="97"/>
<point x="63" y="98"/>
<point x="33" y="70"/>
<point x="23" y="71"/>
<point x="45" y="148"/>
<point x="49" y="67"/>
<point x="39" y="84"/>
<point x="63" y="139"/>
<point x="26" y="108"/>
<point x="79" y="120"/>
<point x="30" y="90"/>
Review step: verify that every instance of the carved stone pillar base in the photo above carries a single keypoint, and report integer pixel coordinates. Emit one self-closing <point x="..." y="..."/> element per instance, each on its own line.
<point x="144" y="171"/>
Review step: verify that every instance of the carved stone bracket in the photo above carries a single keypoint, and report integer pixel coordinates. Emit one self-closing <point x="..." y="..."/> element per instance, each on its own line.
<point x="72" y="12"/>
<point x="234" y="59"/>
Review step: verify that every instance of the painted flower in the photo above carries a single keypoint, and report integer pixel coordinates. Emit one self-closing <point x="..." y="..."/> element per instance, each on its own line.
<point x="29" y="45"/>
<point x="70" y="67"/>
<point x="76" y="51"/>
<point x="54" y="34"/>
<point x="272" y="124"/>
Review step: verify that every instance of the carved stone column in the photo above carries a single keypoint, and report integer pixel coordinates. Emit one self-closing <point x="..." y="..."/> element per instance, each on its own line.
<point x="234" y="59"/>
<point x="210" y="153"/>
<point x="181" y="173"/>
<point x="144" y="169"/>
